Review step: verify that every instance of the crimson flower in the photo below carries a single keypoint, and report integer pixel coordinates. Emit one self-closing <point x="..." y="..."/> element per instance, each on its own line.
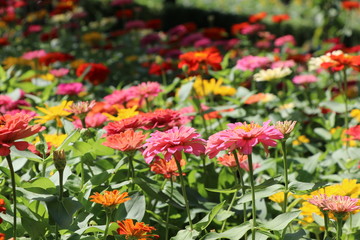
<point x="173" y="142"/>
<point x="243" y="137"/>
<point x="15" y="127"/>
<point x="97" y="74"/>
<point x="257" y="17"/>
<point x="354" y="131"/>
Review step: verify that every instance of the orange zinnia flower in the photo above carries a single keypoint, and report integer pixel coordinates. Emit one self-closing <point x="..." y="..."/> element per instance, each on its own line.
<point x="257" y="17"/>
<point x="201" y="60"/>
<point x="110" y="198"/>
<point x="280" y="18"/>
<point x="339" y="62"/>
<point x="15" y="127"/>
<point x="138" y="231"/>
<point x="126" y="141"/>
<point x="167" y="169"/>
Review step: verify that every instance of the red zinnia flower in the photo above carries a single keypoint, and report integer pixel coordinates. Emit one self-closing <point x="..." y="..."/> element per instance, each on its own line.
<point x="215" y="33"/>
<point x="126" y="141"/>
<point x="237" y="28"/>
<point x="159" y="68"/>
<point x="53" y="57"/>
<point x="354" y="131"/>
<point x="162" y="118"/>
<point x="123" y="125"/>
<point x="2" y="210"/>
<point x="167" y="168"/>
<point x="201" y="60"/>
<point x="97" y="74"/>
<point x="257" y="17"/>
<point x="339" y="62"/>
<point x="173" y="142"/>
<point x="350" y="5"/>
<point x="139" y="230"/>
<point x="15" y="127"/>
<point x="280" y="18"/>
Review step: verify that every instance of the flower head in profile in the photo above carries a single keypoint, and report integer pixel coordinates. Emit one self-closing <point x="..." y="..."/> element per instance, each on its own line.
<point x="243" y="137"/>
<point x="335" y="203"/>
<point x="354" y="132"/>
<point x="13" y="128"/>
<point x="285" y="127"/>
<point x="128" y="140"/>
<point x="251" y="63"/>
<point x="280" y="18"/>
<point x="167" y="168"/>
<point x="96" y="72"/>
<point x="110" y="198"/>
<point x="132" y="231"/>
<point x="304" y="79"/>
<point x="54" y="113"/>
<point x="81" y="107"/>
<point x="173" y="142"/>
<point x="204" y="60"/>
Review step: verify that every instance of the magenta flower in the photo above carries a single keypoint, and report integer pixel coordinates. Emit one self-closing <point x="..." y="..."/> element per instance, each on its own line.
<point x="33" y="54"/>
<point x="173" y="142"/>
<point x="251" y="63"/>
<point x="70" y="88"/>
<point x="304" y="79"/>
<point x="284" y="39"/>
<point x="243" y="137"/>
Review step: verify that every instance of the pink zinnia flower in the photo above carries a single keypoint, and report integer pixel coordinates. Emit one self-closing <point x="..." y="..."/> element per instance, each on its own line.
<point x="91" y="121"/>
<point x="318" y="200"/>
<point x="283" y="64"/>
<point x="70" y="88"/>
<point x="251" y="63"/>
<point x="59" y="72"/>
<point x="335" y="203"/>
<point x="118" y="97"/>
<point x="172" y="143"/>
<point x="146" y="90"/>
<point x="304" y="79"/>
<point x="243" y="137"/>
<point x="33" y="54"/>
<point x="284" y="39"/>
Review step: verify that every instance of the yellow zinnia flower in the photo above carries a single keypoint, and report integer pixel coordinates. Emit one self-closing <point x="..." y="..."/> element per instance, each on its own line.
<point x="278" y="197"/>
<point x="205" y="87"/>
<point x="355" y="113"/>
<point x="300" y="140"/>
<point x="54" y="113"/>
<point x="47" y="77"/>
<point x="122" y="113"/>
<point x="55" y="140"/>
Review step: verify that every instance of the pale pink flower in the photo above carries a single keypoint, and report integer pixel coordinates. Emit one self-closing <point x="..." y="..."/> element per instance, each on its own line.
<point x="284" y="39"/>
<point x="318" y="200"/>
<point x="81" y="107"/>
<point x="304" y="79"/>
<point x="91" y="121"/>
<point x="33" y="54"/>
<point x="251" y="63"/>
<point x="173" y="142"/>
<point x="118" y="97"/>
<point x="283" y="64"/>
<point x="70" y="88"/>
<point x="59" y="72"/>
<point x="147" y="90"/>
<point x="243" y="137"/>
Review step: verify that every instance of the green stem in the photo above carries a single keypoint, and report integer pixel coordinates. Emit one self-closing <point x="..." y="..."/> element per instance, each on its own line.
<point x="132" y="171"/>
<point x="241" y="184"/>
<point x="168" y="209"/>
<point x="61" y="190"/>
<point x="252" y="185"/>
<point x="346" y="103"/>
<point x="108" y="217"/>
<point x="339" y="222"/>
<point x="82" y="173"/>
<point x="283" y="146"/>
<point x="13" y="185"/>
<point x="326" y="221"/>
<point x="184" y="192"/>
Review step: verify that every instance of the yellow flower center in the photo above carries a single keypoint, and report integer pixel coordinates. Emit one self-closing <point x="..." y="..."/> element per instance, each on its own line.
<point x="248" y="127"/>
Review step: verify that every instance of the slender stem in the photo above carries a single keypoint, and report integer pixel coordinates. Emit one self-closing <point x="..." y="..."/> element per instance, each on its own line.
<point x="108" y="217"/>
<point x="184" y="192"/>
<point x="230" y="205"/>
<point x="283" y="146"/>
<point x="326" y="221"/>
<point x="61" y="185"/>
<point x="44" y="168"/>
<point x="241" y="184"/>
<point x="168" y="209"/>
<point x="13" y="185"/>
<point x="339" y="222"/>
<point x="82" y="172"/>
<point x="346" y="103"/>
<point x="132" y="171"/>
<point x="252" y="185"/>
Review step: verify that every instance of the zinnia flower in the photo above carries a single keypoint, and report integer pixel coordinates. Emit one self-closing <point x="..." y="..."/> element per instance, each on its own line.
<point x="70" y="88"/>
<point x="97" y="72"/>
<point x="271" y="74"/>
<point x="201" y="60"/>
<point x="280" y="18"/>
<point x="304" y="79"/>
<point x="243" y="137"/>
<point x="15" y="127"/>
<point x="54" y="113"/>
<point x="126" y="141"/>
<point x="110" y="198"/>
<point x="229" y="160"/>
<point x="2" y="209"/>
<point x="173" y="142"/>
<point x="167" y="168"/>
<point x="251" y="63"/>
<point x="335" y="203"/>
<point x="139" y="230"/>
<point x="354" y="132"/>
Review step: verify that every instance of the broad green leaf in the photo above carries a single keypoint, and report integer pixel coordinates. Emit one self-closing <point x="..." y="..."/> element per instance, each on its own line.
<point x="234" y="233"/>
<point x="281" y="221"/>
<point x="98" y="179"/>
<point x="295" y="236"/>
<point x="186" y="234"/>
<point x="27" y="154"/>
<point x="203" y="223"/>
<point x="270" y="190"/>
<point x="62" y="212"/>
<point x="226" y="191"/>
<point x="80" y="148"/>
<point x="27" y="75"/>
<point x="325" y="134"/>
<point x="133" y="208"/>
<point x="72" y="137"/>
<point x="40" y="185"/>
<point x="185" y="91"/>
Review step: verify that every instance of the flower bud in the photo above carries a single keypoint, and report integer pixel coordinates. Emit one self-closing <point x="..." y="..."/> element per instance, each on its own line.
<point x="285" y="127"/>
<point x="59" y="160"/>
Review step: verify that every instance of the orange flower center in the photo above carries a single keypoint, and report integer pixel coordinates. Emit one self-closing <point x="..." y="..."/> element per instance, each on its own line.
<point x="200" y="55"/>
<point x="248" y="127"/>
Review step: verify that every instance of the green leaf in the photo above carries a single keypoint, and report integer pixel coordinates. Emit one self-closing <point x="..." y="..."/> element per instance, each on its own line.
<point x="132" y="209"/>
<point x="99" y="178"/>
<point x="27" y="154"/>
<point x="323" y="133"/>
<point x="27" y="75"/>
<point x="186" y="234"/>
<point x="226" y="191"/>
<point x="72" y="137"/>
<point x="80" y="148"/>
<point x="6" y="171"/>
<point x="234" y="233"/>
<point x="295" y="236"/>
<point x="204" y="223"/>
<point x="281" y="221"/>
<point x="62" y="212"/>
<point x="261" y="193"/>
<point x="185" y="91"/>
<point x="41" y="185"/>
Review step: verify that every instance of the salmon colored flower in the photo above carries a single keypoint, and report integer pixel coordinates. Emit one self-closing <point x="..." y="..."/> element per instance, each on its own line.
<point x="81" y="107"/>
<point x="243" y="137"/>
<point x="173" y="142"/>
<point x="132" y="231"/>
<point x="123" y="125"/>
<point x="280" y="18"/>
<point x="354" y="132"/>
<point x="201" y="60"/>
<point x="126" y="141"/>
<point x="2" y="236"/>
<point x="110" y="198"/>
<point x="228" y="160"/>
<point x="15" y="127"/>
<point x="257" y="17"/>
<point x="335" y="203"/>
<point x="167" y="168"/>
<point x="2" y="210"/>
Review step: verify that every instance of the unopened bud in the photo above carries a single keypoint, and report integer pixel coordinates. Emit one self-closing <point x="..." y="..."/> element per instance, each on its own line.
<point x="59" y="160"/>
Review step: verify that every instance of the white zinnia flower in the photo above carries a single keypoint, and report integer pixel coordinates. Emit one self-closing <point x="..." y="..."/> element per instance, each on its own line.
<point x="271" y="74"/>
